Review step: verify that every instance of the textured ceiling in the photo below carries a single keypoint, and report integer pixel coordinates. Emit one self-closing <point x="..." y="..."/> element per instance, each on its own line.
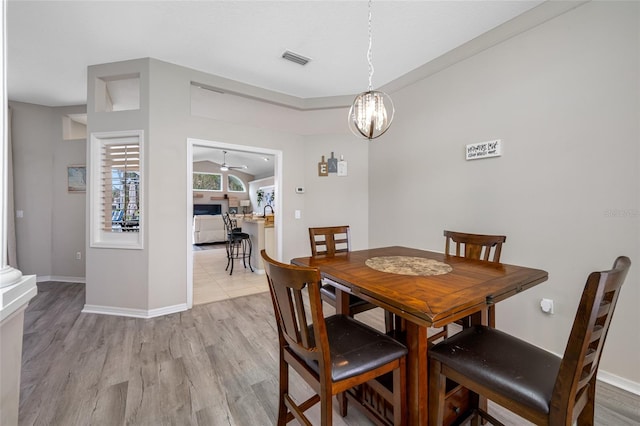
<point x="51" y="43"/>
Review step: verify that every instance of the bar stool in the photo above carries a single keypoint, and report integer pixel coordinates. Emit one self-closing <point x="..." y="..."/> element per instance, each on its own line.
<point x="238" y="244"/>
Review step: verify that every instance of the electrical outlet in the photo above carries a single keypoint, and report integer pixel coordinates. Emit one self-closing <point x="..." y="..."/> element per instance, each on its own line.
<point x="547" y="306"/>
<point x="78" y="255"/>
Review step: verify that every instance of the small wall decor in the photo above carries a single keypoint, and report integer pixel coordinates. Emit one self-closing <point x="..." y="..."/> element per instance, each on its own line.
<point x="332" y="164"/>
<point x="323" y="169"/>
<point x="486" y="149"/>
<point x="76" y="178"/>
<point x="342" y="166"/>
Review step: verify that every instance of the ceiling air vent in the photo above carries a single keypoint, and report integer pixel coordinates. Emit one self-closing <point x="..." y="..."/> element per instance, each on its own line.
<point x="294" y="57"/>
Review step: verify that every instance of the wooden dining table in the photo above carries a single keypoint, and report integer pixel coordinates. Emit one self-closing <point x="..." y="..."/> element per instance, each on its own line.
<point x="427" y="289"/>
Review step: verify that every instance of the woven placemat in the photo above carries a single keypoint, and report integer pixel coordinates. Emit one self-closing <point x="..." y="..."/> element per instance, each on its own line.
<point x="407" y="265"/>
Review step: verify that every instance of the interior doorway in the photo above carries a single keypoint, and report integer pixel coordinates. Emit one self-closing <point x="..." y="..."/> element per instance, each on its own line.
<point x="216" y="258"/>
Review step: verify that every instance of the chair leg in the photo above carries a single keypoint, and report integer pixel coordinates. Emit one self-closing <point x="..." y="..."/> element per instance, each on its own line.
<point x="250" y="250"/>
<point x="491" y="321"/>
<point x="342" y="403"/>
<point x="325" y="408"/>
<point x="400" y="394"/>
<point x="437" y="391"/>
<point x="393" y="323"/>
<point x="284" y="390"/>
<point x="229" y="253"/>
<point x="233" y="255"/>
<point x="243" y="242"/>
<point x="388" y="322"/>
<point x="476" y="420"/>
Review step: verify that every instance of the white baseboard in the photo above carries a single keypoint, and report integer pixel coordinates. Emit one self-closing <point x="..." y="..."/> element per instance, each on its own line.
<point x="619" y="382"/>
<point x="45" y="278"/>
<point x="136" y="313"/>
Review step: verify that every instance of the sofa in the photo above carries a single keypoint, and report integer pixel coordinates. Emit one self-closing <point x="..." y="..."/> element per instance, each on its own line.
<point x="210" y="228"/>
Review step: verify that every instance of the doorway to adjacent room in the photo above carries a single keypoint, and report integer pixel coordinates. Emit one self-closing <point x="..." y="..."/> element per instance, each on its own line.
<point x="207" y="279"/>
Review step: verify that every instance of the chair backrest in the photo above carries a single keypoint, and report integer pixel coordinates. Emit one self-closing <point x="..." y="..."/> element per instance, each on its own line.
<point x="286" y="283"/>
<point x="475" y="246"/>
<point x="329" y="240"/>
<point x="584" y="348"/>
<point x="229" y="224"/>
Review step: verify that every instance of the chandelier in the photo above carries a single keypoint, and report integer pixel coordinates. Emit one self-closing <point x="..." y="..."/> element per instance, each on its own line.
<point x="372" y="111"/>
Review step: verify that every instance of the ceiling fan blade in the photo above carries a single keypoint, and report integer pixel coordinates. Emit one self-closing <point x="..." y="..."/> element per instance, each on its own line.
<point x="224" y="166"/>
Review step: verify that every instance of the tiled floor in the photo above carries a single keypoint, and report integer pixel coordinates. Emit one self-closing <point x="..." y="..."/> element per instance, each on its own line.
<point x="212" y="283"/>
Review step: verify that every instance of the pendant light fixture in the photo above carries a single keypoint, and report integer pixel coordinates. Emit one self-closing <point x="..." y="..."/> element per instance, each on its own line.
<point x="372" y="111"/>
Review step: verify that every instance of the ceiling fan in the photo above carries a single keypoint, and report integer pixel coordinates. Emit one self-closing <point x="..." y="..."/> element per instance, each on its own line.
<point x="225" y="167"/>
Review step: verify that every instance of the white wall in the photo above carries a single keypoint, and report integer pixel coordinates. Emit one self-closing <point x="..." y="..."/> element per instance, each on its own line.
<point x="118" y="279"/>
<point x="254" y="186"/>
<point x="172" y="123"/>
<point x="337" y="200"/>
<point x="53" y="217"/>
<point x="303" y="136"/>
<point x="564" y="99"/>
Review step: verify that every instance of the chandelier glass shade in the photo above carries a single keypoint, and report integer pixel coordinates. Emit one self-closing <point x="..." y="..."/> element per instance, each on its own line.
<point x="371" y="114"/>
<point x="372" y="111"/>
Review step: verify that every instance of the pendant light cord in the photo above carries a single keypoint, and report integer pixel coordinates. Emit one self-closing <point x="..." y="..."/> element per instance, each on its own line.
<point x="369" y="52"/>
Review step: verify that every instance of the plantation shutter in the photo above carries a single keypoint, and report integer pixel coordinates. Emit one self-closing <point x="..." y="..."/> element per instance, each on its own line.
<point x="120" y="184"/>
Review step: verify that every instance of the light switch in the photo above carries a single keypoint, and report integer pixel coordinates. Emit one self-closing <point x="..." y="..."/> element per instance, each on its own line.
<point x="297" y="214"/>
<point x="19" y="213"/>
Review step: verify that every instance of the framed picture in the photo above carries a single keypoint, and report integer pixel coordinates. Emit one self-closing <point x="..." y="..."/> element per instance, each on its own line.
<point x="76" y="178"/>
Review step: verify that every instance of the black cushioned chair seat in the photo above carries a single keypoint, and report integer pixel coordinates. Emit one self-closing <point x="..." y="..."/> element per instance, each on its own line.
<point x="503" y="363"/>
<point x="330" y="291"/>
<point x="356" y="347"/>
<point x="238" y="235"/>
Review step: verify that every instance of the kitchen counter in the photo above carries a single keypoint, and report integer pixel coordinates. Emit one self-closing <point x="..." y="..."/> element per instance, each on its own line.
<point x="249" y="219"/>
<point x="262" y="237"/>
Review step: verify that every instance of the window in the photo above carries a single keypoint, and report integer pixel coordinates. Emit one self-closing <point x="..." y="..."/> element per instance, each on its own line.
<point x="235" y="184"/>
<point x="207" y="182"/>
<point x="125" y="186"/>
<point x="116" y="189"/>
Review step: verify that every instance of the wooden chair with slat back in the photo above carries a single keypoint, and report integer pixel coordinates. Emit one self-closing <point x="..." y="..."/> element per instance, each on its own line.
<point x="531" y="382"/>
<point x="475" y="246"/>
<point x="331" y="354"/>
<point x="329" y="241"/>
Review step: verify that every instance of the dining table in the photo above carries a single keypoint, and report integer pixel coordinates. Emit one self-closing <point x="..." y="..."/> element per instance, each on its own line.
<point x="427" y="289"/>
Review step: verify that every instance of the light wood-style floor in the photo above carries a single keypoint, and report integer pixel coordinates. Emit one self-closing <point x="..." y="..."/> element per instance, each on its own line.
<point x="213" y="365"/>
<point x="212" y="283"/>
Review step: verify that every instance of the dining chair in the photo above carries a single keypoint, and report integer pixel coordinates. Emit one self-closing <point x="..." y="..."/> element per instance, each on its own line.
<point x="238" y="244"/>
<point x="475" y="246"/>
<point x="525" y="379"/>
<point x="331" y="354"/>
<point x="327" y="241"/>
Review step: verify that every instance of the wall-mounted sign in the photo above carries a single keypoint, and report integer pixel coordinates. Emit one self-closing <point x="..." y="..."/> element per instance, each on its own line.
<point x="323" y="169"/>
<point x="486" y="149"/>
